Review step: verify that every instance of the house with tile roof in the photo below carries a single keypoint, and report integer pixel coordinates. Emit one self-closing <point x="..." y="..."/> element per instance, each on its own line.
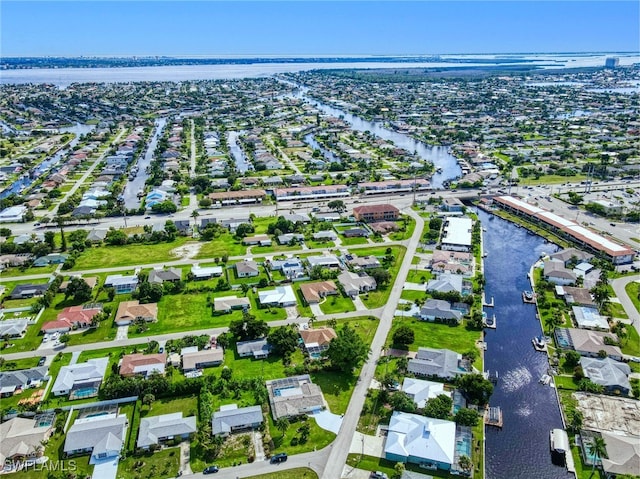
<point x="131" y="311"/>
<point x="313" y="293"/>
<point x="22" y="438"/>
<point x="143" y="365"/>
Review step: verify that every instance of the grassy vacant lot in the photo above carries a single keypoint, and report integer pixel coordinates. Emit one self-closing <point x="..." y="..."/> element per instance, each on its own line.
<point x="407" y="233"/>
<point x="378" y="298"/>
<point x="418" y="276"/>
<point x="164" y="463"/>
<point x="353" y="241"/>
<point x="437" y="335"/>
<point x="225" y="244"/>
<point x="318" y="438"/>
<point x="412" y="295"/>
<point x="187" y="405"/>
<point x="127" y="255"/>
<point x="11" y="272"/>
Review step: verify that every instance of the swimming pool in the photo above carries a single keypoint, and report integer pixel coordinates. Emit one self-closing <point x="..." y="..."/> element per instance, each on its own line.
<point x="83" y="393"/>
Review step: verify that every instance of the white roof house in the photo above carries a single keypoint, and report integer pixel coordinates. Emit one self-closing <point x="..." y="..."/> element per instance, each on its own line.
<point x="421" y="391"/>
<point x="103" y="436"/>
<point x="280" y="296"/>
<point x="420" y="439"/>
<point x="12" y="214"/>
<point x="457" y="234"/>
<point x="207" y="272"/>
<point x="74" y="376"/>
<point x="327" y="261"/>
<point x="589" y="318"/>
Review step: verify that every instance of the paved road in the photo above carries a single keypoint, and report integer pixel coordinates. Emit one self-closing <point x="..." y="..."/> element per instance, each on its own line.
<point x="81" y="181"/>
<point x="618" y="286"/>
<point x="341" y="445"/>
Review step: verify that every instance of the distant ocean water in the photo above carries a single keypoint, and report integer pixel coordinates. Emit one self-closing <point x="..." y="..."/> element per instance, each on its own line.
<point x="66" y="76"/>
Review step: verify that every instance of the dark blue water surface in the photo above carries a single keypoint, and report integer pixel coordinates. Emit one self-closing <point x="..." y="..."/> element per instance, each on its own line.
<point x="520" y="450"/>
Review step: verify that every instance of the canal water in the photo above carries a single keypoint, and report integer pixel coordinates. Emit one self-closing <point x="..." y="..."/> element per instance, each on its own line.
<point x="242" y="164"/>
<point x="438" y="155"/>
<point x="520" y="450"/>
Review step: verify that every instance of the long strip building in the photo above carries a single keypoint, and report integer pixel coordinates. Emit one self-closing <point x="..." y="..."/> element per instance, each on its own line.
<point x="588" y="239"/>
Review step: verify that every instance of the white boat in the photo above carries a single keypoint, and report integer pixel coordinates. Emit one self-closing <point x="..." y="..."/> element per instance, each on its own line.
<point x="545" y="379"/>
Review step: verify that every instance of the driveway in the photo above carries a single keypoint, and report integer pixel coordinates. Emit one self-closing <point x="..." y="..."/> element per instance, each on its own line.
<point x="185" y="456"/>
<point x="315" y="309"/>
<point x="414" y="286"/>
<point x="122" y="332"/>
<point x="357" y="302"/>
<point x="367" y="445"/>
<point x="105" y="468"/>
<point x="328" y="421"/>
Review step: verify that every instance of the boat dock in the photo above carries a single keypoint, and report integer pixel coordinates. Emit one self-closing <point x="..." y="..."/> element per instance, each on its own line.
<point x="485" y="303"/>
<point x="493" y="416"/>
<point x="528" y="297"/>
<point x="492" y="323"/>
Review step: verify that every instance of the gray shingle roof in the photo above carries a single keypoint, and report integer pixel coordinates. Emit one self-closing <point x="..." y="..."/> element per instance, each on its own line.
<point x="155" y="428"/>
<point x="96" y="433"/>
<point x="224" y="421"/>
<point x="22" y="377"/>
<point x="435" y="362"/>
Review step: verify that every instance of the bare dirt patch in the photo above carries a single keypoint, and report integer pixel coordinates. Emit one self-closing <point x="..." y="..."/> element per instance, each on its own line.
<point x="186" y="251"/>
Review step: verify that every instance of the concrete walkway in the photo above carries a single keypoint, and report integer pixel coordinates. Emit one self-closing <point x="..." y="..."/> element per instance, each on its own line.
<point x="74" y="357"/>
<point x="315" y="309"/>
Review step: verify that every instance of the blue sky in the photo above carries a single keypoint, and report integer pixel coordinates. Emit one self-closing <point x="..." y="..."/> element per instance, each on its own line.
<point x="216" y="28"/>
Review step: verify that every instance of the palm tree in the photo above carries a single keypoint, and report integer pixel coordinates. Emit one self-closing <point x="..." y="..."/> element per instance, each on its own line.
<point x="282" y="425"/>
<point x="60" y="221"/>
<point x="597" y="449"/>
<point x="465" y="463"/>
<point x="195" y="215"/>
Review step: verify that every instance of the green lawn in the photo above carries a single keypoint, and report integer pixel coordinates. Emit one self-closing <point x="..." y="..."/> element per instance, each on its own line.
<point x="371" y="463"/>
<point x="631" y="344"/>
<point x="16" y="272"/>
<point x="297" y="473"/>
<point x="127" y="255"/>
<point x="233" y="278"/>
<point x="412" y="294"/>
<point x="617" y="311"/>
<point x="420" y="276"/>
<point x="633" y="290"/>
<point x="318" y="437"/>
<point x="407" y="233"/>
<point x="225" y="244"/>
<point x="353" y="241"/>
<point x="379" y="297"/>
<point x="337" y="304"/>
<point x="16" y="364"/>
<point x="437" y="335"/>
<point x="187" y="405"/>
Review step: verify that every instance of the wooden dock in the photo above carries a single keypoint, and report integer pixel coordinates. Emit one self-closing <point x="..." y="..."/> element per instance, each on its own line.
<point x="493" y="416"/>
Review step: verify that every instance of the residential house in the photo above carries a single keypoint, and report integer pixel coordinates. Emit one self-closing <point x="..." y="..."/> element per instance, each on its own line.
<point x="91" y="281"/>
<point x="452" y="205"/>
<point x="159" y="276"/>
<point x="356" y="233"/>
<point x="317" y="340"/>
<point x="53" y="258"/>
<point x="588" y="343"/>
<point x="232" y="223"/>
<point x="29" y="238"/>
<point x="73" y="317"/>
<point x="291" y="268"/>
<point x="13" y="328"/>
<point x="324" y="261"/>
<point x="439" y="310"/>
<point x="420" y="391"/>
<point x="28" y="290"/>
<point x="81" y="380"/>
<point x="102" y="436"/>
<point x="356" y="283"/>
<point x="456" y="235"/>
<point x="442" y="363"/>
<point x="622" y="454"/>
<point x="282" y="296"/>
<point x="262" y="240"/>
<point x="228" y="303"/>
<point x="446" y="283"/>
<point x="255" y="348"/>
<point x="231" y="418"/>
<point x="569" y="256"/>
<point x="13" y="214"/>
<point x="154" y="197"/>
<point x="421" y="440"/>
<point x="122" y="284"/>
<point x="247" y="269"/>
<point x="372" y="213"/>
<point x="556" y="273"/>
<point x="159" y="429"/>
<point x="289" y="237"/>
<point x="22" y="379"/>
<point x="200" y="273"/>
<point x="577" y="296"/>
<point x="612" y="375"/>
<point x="297" y="217"/>
<point x="327" y="216"/>
<point x="294" y="396"/>
<point x="21" y="439"/>
<point x="20" y="259"/>
<point x="142" y="364"/>
<point x="131" y="311"/>
<point x="365" y="262"/>
<point x="589" y="318"/>
<point x="194" y="359"/>
<point x="314" y="292"/>
<point x="327" y="235"/>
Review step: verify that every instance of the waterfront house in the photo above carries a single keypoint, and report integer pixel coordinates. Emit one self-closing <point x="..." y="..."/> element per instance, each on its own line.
<point x="456" y="234"/>
<point x="622" y="454"/>
<point x="612" y="375"/>
<point x="576" y="296"/>
<point x="589" y="318"/>
<point x="421" y="440"/>
<point x="230" y="418"/>
<point x="442" y="363"/>
<point x="588" y="343"/>
<point x="556" y="273"/>
<point x="156" y="430"/>
<point x="446" y="283"/>
<point x="571" y="256"/>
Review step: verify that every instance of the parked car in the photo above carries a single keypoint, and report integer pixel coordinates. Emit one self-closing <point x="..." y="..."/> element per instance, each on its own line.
<point x="43" y="359"/>
<point x="278" y="458"/>
<point x="378" y="475"/>
<point x="210" y="470"/>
